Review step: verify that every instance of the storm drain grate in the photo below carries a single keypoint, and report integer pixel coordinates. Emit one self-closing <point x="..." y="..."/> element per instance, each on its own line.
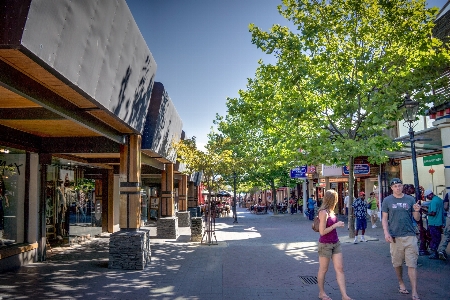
<point x="309" y="279"/>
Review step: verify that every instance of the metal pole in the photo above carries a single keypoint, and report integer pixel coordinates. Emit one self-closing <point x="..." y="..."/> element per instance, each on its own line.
<point x="422" y="239"/>
<point x="414" y="162"/>
<point x="234" y="202"/>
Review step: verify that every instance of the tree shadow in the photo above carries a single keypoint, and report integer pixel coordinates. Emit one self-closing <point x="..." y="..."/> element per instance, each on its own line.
<point x="134" y="110"/>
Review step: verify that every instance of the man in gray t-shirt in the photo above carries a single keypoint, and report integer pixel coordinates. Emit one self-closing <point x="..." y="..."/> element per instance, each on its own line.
<point x="398" y="210"/>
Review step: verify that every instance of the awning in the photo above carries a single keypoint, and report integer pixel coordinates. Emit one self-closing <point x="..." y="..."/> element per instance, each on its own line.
<point x="427" y="142"/>
<point x="223" y="194"/>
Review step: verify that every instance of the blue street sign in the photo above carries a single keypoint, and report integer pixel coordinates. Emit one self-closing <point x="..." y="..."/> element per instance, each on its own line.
<point x="299" y="172"/>
<point x="359" y="169"/>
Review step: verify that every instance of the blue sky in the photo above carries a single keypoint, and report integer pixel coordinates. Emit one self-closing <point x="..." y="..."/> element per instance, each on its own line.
<point x="204" y="52"/>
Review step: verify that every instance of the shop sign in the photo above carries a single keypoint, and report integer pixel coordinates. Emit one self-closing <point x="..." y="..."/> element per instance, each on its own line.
<point x="433" y="160"/>
<point x="333" y="170"/>
<point x="299" y="172"/>
<point x="331" y="180"/>
<point x="358" y="169"/>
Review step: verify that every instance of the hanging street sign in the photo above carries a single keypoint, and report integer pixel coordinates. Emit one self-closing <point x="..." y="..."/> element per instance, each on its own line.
<point x="433" y="160"/>
<point x="359" y="169"/>
<point x="299" y="172"/>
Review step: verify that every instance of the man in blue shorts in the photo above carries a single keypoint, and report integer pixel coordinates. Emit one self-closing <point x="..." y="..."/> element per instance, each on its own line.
<point x="360" y="209"/>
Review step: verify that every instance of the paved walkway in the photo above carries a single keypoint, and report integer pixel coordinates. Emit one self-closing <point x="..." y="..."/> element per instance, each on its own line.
<point x="262" y="257"/>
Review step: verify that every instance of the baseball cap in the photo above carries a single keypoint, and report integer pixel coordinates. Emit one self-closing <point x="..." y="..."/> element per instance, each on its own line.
<point x="362" y="194"/>
<point x="395" y="181"/>
<point x="427" y="192"/>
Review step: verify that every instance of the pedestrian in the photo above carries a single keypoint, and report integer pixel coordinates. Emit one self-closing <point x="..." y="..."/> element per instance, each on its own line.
<point x="435" y="221"/>
<point x="409" y="189"/>
<point x="311" y="205"/>
<point x="292" y="205"/>
<point x="442" y="250"/>
<point x="360" y="211"/>
<point x="372" y="209"/>
<point x="346" y="200"/>
<point x="329" y="247"/>
<point x="398" y="210"/>
<point x="300" y="205"/>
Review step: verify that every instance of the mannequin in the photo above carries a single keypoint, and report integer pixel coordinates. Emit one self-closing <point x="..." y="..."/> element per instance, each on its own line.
<point x="4" y="202"/>
<point x="62" y="207"/>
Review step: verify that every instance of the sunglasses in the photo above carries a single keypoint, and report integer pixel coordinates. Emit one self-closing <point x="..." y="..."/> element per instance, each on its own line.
<point x="396" y="182"/>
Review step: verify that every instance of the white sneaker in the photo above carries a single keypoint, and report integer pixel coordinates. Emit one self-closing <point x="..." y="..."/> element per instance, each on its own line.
<point x="363" y="239"/>
<point x="356" y="240"/>
<point x="374" y="226"/>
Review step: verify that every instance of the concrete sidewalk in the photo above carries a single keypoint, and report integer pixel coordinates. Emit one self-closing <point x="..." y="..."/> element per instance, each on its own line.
<point x="261" y="257"/>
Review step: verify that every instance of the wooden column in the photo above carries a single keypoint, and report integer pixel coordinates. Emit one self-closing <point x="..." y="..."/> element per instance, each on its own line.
<point x="191" y="195"/>
<point x="130" y="187"/>
<point x="197" y="190"/>
<point x="167" y="201"/>
<point x="109" y="214"/>
<point x="182" y="193"/>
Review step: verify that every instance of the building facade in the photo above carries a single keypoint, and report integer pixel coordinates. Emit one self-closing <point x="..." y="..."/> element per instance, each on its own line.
<point x="86" y="131"/>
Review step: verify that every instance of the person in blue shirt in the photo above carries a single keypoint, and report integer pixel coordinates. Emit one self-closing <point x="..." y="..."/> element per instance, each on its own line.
<point x="311" y="204"/>
<point x="360" y="210"/>
<point x="435" y="221"/>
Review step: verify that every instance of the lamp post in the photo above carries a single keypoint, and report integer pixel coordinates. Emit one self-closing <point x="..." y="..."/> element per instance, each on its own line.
<point x="234" y="199"/>
<point x="409" y="115"/>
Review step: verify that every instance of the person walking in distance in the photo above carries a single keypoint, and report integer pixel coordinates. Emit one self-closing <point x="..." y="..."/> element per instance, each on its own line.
<point x="329" y="247"/>
<point x="360" y="211"/>
<point x="442" y="250"/>
<point x="346" y="199"/>
<point x="398" y="210"/>
<point x="435" y="221"/>
<point x="372" y="209"/>
<point x="311" y="205"/>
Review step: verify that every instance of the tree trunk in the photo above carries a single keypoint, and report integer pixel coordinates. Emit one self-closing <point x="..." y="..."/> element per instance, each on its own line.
<point x="274" y="197"/>
<point x="351" y="186"/>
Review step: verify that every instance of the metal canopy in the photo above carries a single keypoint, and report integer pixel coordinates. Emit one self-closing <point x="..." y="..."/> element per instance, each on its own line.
<point x="76" y="77"/>
<point x="427" y="142"/>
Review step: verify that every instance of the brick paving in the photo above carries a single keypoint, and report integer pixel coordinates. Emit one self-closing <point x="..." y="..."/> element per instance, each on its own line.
<point x="261" y="257"/>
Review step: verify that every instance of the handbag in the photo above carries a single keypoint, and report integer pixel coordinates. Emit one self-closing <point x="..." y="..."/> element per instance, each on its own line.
<point x="315" y="224"/>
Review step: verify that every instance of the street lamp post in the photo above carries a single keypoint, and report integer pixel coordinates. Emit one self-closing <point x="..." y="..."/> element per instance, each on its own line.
<point x="409" y="115"/>
<point x="234" y="200"/>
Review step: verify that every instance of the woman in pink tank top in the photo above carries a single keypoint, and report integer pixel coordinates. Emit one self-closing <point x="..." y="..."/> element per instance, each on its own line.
<point x="329" y="247"/>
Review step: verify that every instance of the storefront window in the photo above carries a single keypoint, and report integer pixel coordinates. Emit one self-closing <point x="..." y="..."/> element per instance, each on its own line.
<point x="12" y="187"/>
<point x="71" y="210"/>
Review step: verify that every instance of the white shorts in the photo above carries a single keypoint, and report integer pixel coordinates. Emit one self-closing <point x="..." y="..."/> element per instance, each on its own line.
<point x="371" y="212"/>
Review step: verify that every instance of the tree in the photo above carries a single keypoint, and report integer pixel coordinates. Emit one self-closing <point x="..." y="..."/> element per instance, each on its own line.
<point x="257" y="139"/>
<point x="340" y="77"/>
<point x="212" y="163"/>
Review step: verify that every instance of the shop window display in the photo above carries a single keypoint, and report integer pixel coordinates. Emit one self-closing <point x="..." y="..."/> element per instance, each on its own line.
<point x="71" y="205"/>
<point x="12" y="182"/>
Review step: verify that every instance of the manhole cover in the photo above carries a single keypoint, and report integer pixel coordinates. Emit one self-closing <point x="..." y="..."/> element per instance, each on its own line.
<point x="309" y="279"/>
